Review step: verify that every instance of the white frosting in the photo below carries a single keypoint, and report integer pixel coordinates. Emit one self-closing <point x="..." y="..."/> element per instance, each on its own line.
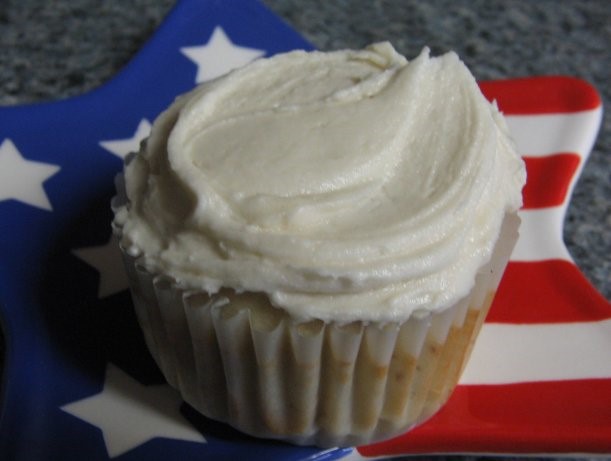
<point x="349" y="185"/>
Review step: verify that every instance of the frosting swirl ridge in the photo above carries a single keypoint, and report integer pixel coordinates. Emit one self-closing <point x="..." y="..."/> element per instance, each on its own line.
<point x="344" y="185"/>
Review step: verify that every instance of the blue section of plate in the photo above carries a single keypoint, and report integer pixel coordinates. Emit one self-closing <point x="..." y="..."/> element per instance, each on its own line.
<point x="73" y="348"/>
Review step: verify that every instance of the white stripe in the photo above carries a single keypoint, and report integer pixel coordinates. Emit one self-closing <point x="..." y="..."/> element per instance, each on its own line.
<point x="510" y="353"/>
<point x="541" y="235"/>
<point x="541" y="135"/>
<point x="356" y="456"/>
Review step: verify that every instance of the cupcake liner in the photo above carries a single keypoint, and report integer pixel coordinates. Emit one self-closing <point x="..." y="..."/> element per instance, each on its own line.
<point x="236" y="358"/>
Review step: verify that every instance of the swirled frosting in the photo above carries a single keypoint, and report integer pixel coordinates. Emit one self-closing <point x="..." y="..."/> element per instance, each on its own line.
<point x="349" y="185"/>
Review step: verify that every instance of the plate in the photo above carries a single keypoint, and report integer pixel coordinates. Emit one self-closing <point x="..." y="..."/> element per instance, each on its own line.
<point x="78" y="382"/>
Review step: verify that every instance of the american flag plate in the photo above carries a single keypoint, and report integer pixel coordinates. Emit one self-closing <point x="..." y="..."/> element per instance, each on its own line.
<point x="77" y="381"/>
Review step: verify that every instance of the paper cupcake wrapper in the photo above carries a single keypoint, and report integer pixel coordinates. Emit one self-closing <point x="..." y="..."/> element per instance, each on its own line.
<point x="237" y="359"/>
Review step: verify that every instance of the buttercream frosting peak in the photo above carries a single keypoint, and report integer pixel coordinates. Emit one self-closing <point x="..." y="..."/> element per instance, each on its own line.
<point x="345" y="185"/>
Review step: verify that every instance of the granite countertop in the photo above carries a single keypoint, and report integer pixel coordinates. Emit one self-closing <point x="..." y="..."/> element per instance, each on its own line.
<point x="53" y="50"/>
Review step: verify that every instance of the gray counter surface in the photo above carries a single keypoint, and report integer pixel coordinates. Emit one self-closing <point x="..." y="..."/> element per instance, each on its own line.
<point x="53" y="50"/>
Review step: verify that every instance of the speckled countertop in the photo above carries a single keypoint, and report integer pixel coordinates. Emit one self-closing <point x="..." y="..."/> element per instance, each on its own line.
<point x="52" y="50"/>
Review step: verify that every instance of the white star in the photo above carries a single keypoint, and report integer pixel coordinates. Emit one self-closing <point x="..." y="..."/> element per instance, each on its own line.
<point x="107" y="260"/>
<point x="122" y="147"/>
<point x="22" y="179"/>
<point x="219" y="56"/>
<point x="130" y="414"/>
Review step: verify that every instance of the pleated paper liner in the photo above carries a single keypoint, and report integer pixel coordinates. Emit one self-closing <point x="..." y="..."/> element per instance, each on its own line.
<point x="237" y="359"/>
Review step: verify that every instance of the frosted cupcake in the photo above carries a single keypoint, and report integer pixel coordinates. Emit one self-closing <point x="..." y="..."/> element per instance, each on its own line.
<point x="313" y="241"/>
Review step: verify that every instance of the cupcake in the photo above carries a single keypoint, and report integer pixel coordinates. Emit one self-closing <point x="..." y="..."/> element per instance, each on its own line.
<point x="313" y="241"/>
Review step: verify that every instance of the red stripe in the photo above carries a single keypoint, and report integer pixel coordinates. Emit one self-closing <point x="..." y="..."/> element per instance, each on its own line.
<point x="549" y="291"/>
<point x="514" y="418"/>
<point x="541" y="95"/>
<point x="548" y="179"/>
